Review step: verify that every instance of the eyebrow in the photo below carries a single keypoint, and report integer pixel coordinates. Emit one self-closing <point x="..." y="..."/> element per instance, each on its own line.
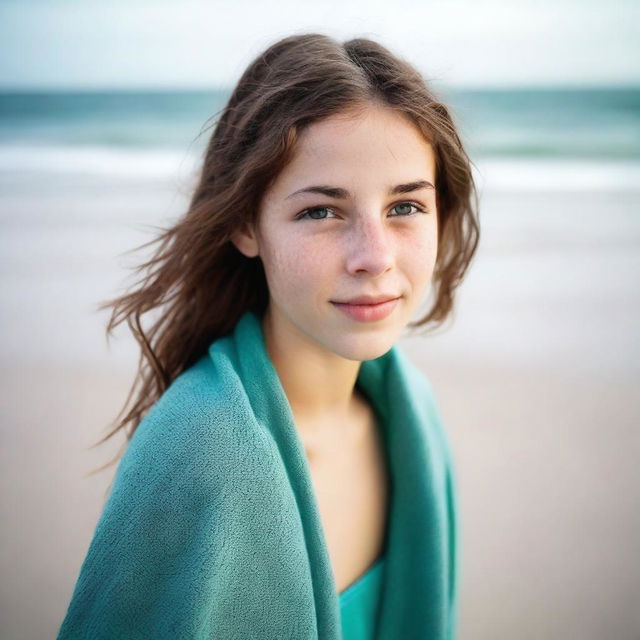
<point x="339" y="193"/>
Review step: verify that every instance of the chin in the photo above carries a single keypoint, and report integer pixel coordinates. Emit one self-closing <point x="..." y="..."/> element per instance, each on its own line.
<point x="364" y="347"/>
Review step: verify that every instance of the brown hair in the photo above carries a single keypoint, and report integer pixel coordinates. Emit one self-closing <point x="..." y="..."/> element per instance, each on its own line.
<point x="197" y="277"/>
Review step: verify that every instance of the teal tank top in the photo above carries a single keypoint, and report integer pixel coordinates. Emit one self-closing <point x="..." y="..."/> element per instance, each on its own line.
<point x="360" y="604"/>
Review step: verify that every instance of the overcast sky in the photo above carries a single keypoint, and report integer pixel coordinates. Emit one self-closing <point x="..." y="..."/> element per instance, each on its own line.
<point x="155" y="43"/>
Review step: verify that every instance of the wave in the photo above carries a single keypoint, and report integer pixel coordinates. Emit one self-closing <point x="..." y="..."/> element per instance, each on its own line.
<point x="528" y="174"/>
<point x="535" y="174"/>
<point x="110" y="162"/>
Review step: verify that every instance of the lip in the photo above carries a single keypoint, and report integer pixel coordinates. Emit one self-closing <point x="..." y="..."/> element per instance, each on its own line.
<point x="370" y="299"/>
<point x="368" y="312"/>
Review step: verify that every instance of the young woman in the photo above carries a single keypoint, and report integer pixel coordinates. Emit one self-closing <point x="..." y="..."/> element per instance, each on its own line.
<point x="287" y="474"/>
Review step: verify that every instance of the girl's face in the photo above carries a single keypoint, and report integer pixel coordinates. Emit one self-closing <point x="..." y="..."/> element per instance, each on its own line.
<point x="352" y="215"/>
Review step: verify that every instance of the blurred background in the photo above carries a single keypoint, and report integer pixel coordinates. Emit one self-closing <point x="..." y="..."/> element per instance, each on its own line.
<point x="104" y="109"/>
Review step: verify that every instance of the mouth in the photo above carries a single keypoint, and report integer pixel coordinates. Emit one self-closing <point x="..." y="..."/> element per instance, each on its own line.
<point x="368" y="311"/>
<point x="369" y="299"/>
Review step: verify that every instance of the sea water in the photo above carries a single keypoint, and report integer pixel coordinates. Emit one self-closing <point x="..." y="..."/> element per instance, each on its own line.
<point x="514" y="134"/>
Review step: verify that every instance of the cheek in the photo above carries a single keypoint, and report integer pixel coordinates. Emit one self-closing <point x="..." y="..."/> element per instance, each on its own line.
<point x="295" y="266"/>
<point x="418" y="253"/>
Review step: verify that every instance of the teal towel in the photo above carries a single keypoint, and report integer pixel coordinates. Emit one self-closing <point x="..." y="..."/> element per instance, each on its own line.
<point x="211" y="528"/>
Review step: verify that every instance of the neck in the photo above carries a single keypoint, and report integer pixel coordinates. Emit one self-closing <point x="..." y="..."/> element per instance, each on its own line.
<point x="319" y="384"/>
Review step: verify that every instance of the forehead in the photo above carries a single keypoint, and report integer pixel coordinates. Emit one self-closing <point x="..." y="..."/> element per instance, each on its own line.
<point x="363" y="146"/>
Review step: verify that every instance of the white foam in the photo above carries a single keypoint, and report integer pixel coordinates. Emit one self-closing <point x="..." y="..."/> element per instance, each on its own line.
<point x="522" y="174"/>
<point x="100" y="161"/>
<point x="529" y="174"/>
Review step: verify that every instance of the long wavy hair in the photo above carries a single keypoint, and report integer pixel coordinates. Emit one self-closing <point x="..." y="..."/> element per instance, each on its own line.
<point x="197" y="282"/>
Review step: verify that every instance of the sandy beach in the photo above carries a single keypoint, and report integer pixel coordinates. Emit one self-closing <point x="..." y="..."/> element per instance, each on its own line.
<point x="536" y="379"/>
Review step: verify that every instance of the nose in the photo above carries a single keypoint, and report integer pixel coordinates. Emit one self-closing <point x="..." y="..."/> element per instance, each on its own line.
<point x="369" y="247"/>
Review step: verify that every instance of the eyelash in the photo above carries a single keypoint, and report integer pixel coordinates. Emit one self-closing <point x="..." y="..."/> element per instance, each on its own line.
<point x="303" y="214"/>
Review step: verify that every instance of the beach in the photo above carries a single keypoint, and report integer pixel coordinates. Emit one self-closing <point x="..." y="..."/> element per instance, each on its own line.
<point x="536" y="378"/>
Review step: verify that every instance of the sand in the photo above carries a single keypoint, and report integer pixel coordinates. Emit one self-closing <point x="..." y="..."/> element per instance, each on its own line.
<point x="536" y="381"/>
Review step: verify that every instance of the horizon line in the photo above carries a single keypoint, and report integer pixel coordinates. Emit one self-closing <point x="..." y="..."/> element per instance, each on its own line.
<point x="141" y="88"/>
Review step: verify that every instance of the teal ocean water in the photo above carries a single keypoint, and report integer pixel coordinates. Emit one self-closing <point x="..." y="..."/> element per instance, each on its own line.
<point x="146" y="133"/>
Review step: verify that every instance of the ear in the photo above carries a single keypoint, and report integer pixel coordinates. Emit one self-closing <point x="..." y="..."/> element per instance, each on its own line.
<point x="245" y="241"/>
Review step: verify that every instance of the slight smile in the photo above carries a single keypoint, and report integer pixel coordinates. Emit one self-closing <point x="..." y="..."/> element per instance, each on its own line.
<point x="368" y="312"/>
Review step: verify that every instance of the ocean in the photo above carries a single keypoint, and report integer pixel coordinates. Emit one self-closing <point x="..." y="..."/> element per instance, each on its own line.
<point x="570" y="138"/>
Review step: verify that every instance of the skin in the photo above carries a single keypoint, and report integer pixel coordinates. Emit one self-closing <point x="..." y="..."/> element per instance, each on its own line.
<point x="363" y="245"/>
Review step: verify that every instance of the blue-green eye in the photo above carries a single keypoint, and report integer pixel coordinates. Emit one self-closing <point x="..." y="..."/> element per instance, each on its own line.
<point x="312" y="213"/>
<point x="408" y="205"/>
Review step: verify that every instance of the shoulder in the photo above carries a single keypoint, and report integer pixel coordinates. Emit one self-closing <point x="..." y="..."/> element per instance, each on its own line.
<point x="424" y="400"/>
<point x="197" y="403"/>
<point x="196" y="433"/>
<point x="410" y="376"/>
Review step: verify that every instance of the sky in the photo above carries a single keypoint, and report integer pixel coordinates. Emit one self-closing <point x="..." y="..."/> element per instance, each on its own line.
<point x="78" y="44"/>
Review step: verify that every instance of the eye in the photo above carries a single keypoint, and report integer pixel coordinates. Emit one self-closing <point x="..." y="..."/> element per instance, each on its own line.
<point x="315" y="213"/>
<point x="403" y="206"/>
